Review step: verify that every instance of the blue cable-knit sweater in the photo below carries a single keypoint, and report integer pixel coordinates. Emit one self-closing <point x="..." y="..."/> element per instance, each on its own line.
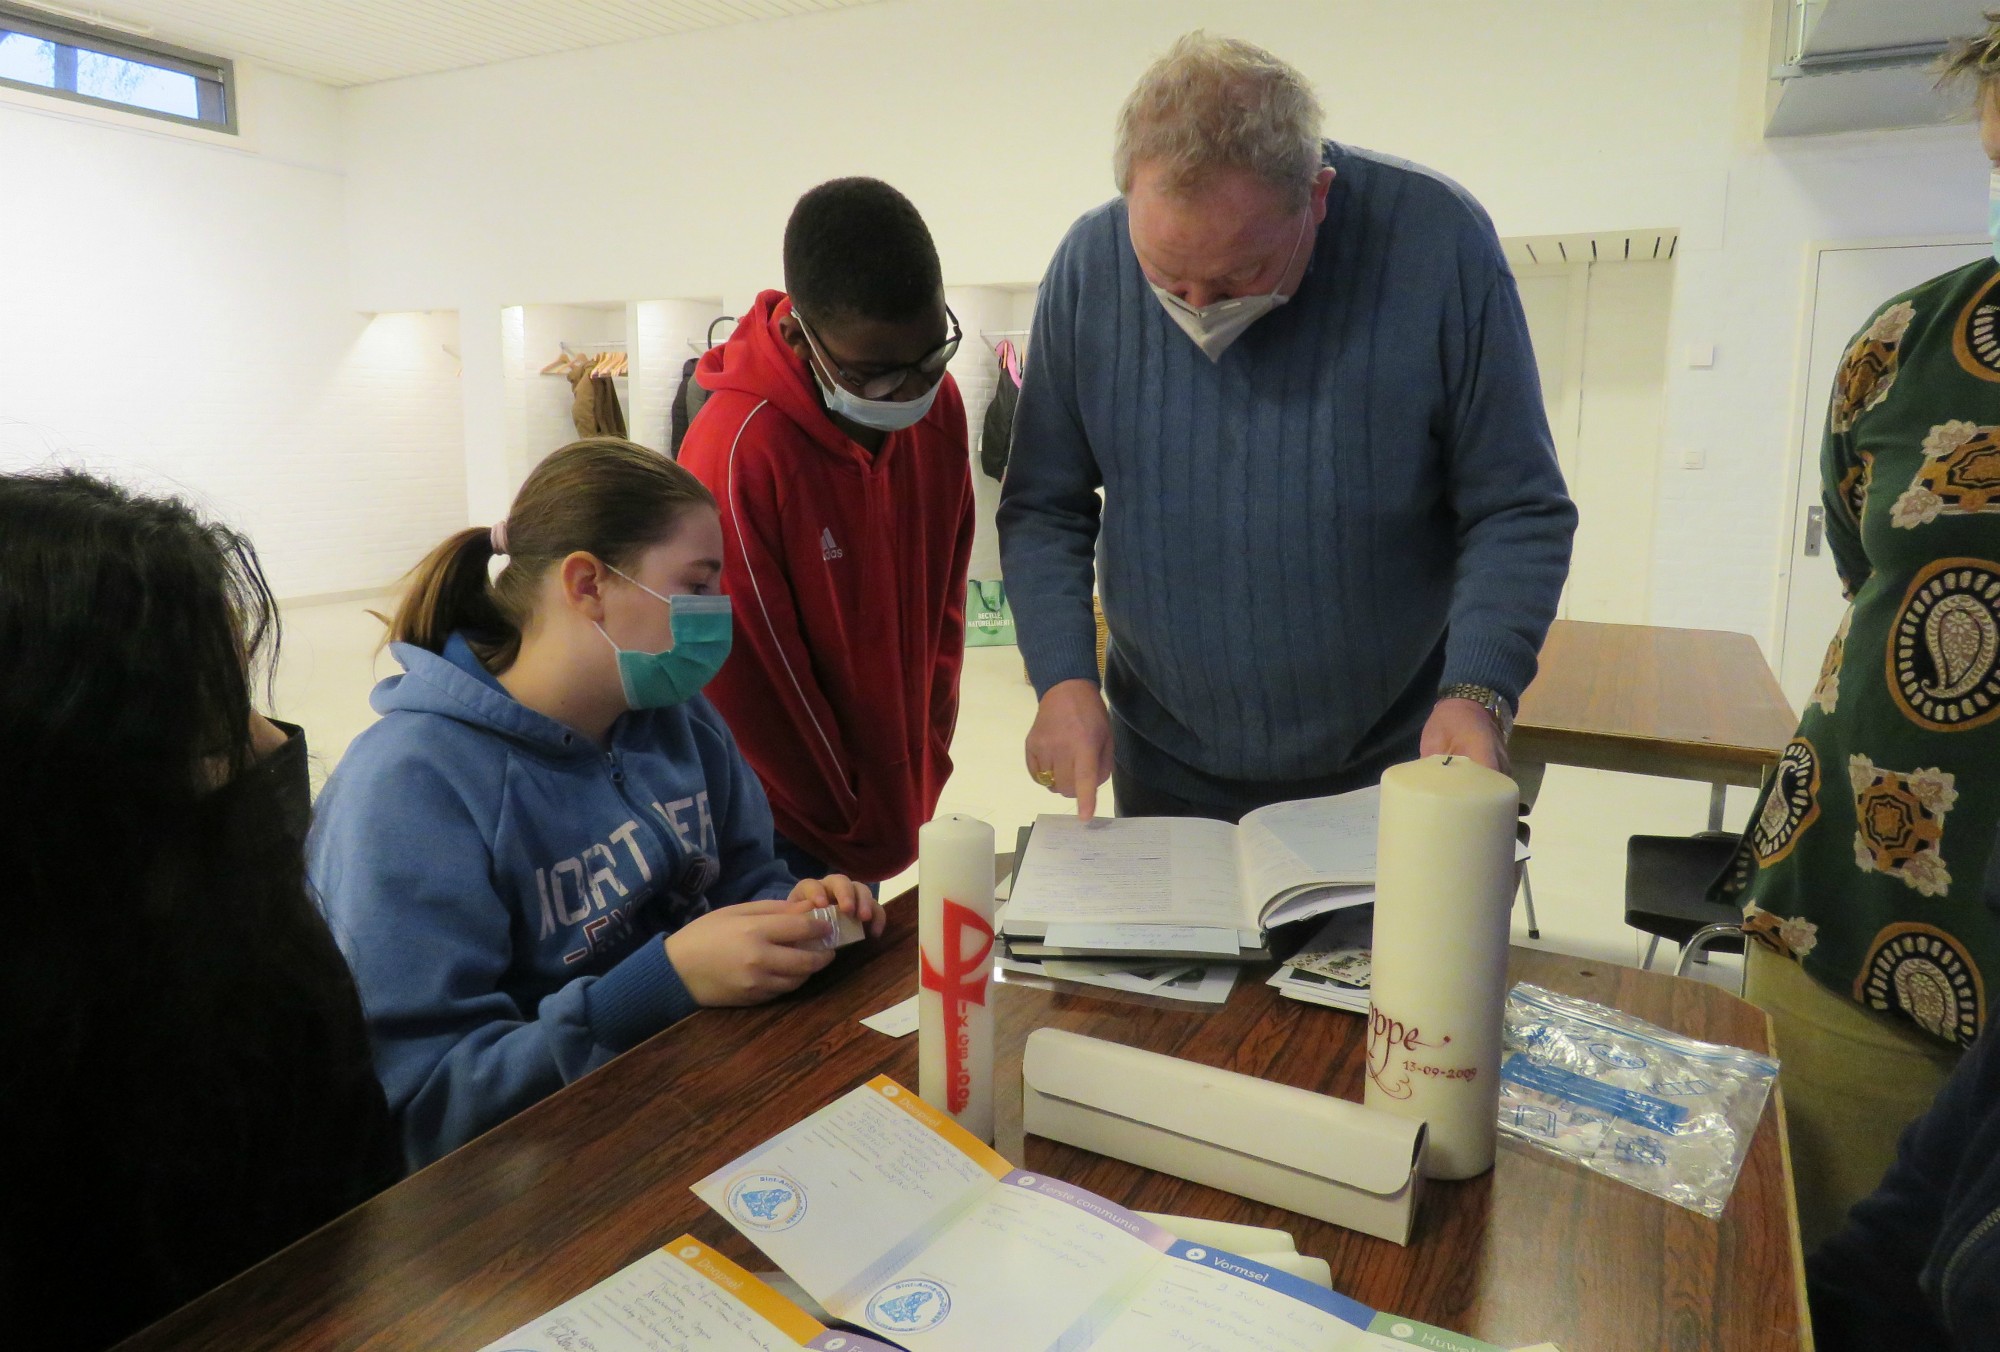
<point x="1298" y="544"/>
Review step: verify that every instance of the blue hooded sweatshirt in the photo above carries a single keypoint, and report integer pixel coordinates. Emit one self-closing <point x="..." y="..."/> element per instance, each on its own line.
<point x="501" y="885"/>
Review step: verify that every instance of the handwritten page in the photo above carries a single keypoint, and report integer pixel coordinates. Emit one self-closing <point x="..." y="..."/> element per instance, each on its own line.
<point x="1024" y="1260"/>
<point x="870" y="1173"/>
<point x="1309" y="843"/>
<point x="1127" y="870"/>
<point x="685" y="1295"/>
<point x="1200" y="1299"/>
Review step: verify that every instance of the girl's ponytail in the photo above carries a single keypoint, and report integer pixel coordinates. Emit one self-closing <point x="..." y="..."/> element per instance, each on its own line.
<point x="448" y="592"/>
<point x="602" y="495"/>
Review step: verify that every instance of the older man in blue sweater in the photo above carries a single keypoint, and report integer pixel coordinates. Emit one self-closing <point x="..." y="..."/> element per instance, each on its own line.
<point x="1332" y="532"/>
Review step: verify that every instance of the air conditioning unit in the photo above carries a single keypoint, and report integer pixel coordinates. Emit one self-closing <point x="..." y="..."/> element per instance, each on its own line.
<point x="1862" y="65"/>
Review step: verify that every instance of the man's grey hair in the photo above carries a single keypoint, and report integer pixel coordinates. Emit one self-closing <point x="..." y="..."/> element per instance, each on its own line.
<point x="1212" y="103"/>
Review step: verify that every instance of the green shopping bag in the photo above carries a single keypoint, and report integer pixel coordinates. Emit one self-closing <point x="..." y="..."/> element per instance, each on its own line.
<point x="989" y="620"/>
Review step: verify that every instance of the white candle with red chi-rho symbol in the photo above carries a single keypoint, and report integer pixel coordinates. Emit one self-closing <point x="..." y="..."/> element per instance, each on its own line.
<point x="1444" y="888"/>
<point x="955" y="970"/>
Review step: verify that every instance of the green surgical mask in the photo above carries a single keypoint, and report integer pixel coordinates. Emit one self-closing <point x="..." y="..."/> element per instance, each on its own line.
<point x="702" y="631"/>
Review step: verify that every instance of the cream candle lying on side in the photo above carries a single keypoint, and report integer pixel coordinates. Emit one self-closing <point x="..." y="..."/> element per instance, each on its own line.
<point x="955" y="970"/>
<point x="1444" y="889"/>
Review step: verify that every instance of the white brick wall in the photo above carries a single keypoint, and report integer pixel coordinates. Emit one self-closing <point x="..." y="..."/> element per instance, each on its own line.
<point x="983" y="311"/>
<point x="662" y="331"/>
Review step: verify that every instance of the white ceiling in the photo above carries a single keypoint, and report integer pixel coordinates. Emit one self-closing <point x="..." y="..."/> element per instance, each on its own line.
<point x="349" y="42"/>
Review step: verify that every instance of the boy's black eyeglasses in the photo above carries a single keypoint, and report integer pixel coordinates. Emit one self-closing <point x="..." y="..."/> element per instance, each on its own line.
<point x="882" y="384"/>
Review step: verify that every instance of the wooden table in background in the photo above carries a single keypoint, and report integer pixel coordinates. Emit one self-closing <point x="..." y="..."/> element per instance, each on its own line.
<point x="590" y="1179"/>
<point x="1681" y="703"/>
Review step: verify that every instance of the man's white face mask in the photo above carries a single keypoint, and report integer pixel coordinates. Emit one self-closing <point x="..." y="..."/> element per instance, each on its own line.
<point x="1214" y="327"/>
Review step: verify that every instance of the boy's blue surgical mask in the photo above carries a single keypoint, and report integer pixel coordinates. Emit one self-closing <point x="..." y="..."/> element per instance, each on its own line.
<point x="702" y="630"/>
<point x="883" y="415"/>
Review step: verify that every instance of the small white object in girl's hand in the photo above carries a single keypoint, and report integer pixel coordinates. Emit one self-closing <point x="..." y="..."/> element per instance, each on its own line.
<point x="841" y="930"/>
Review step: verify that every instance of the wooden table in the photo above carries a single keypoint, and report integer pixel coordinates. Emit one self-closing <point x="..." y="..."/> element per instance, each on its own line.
<point x="589" y="1180"/>
<point x="1681" y="703"/>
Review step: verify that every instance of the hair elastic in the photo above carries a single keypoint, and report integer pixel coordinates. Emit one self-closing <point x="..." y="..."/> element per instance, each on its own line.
<point x="497" y="537"/>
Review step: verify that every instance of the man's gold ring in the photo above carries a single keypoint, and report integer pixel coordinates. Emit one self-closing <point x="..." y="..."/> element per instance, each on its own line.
<point x="1046" y="778"/>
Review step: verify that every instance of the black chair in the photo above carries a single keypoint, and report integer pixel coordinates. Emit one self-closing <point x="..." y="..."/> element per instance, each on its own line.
<point x="1666" y="892"/>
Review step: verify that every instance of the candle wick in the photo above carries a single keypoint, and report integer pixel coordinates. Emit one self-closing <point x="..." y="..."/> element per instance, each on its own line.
<point x="1447" y="760"/>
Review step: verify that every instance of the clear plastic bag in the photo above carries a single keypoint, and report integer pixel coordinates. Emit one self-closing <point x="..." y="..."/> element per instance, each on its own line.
<point x="1665" y="1113"/>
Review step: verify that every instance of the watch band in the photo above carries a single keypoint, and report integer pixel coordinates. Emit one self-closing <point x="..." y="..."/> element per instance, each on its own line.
<point x="1486" y="698"/>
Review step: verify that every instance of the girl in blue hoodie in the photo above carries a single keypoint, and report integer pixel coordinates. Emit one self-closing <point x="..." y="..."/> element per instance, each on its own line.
<point x="548" y="848"/>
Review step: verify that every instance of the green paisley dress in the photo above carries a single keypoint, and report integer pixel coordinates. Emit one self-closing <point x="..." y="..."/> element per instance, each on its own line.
<point x="1866" y="856"/>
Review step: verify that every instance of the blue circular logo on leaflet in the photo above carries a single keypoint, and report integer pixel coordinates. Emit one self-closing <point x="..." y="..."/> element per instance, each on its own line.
<point x="914" y="1305"/>
<point x="767" y="1201"/>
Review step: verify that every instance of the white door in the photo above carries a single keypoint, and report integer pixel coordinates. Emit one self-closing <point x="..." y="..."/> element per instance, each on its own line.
<point x="1849" y="285"/>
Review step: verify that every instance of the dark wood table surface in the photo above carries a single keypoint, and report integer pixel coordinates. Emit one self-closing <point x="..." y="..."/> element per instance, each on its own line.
<point x="1684" y="703"/>
<point x="592" y="1178"/>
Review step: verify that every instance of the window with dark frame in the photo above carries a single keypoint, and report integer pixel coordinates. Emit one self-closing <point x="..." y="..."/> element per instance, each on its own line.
<point x="112" y="70"/>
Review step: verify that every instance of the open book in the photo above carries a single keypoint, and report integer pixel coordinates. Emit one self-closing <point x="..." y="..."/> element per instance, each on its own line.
<point x="895" y="1219"/>
<point x="685" y="1295"/>
<point x="1188" y="886"/>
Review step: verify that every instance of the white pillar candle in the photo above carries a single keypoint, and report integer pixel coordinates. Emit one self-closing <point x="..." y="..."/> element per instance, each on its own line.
<point x="1444" y="889"/>
<point x="955" y="970"/>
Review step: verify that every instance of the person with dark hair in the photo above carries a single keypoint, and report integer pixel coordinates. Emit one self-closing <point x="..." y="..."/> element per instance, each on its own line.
<point x="183" y="1062"/>
<point x="836" y="444"/>
<point x="548" y="848"/>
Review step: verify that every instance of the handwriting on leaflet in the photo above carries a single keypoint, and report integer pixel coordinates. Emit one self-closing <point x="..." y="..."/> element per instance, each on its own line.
<point x="1185" y="1305"/>
<point x="920" y="1166"/>
<point x="1061" y="1235"/>
<point x="662" y="1303"/>
<point x="860" y="1168"/>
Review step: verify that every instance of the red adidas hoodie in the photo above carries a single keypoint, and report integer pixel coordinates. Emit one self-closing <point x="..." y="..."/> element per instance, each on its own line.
<point x="847" y="572"/>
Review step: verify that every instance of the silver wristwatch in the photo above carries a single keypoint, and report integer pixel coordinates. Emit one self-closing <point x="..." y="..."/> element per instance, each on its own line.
<point x="1488" y="699"/>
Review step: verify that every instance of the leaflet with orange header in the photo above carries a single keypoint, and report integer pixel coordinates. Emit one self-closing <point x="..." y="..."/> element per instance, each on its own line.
<point x="677" y="1297"/>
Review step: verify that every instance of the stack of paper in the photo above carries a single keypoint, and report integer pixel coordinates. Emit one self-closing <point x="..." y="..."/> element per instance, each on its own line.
<point x="1333" y="967"/>
<point x="1204" y="983"/>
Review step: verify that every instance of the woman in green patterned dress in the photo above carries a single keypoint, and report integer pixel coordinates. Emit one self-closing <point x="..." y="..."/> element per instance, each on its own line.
<point x="1868" y="884"/>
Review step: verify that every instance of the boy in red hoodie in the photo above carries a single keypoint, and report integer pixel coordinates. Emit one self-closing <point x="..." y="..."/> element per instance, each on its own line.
<point x="836" y="444"/>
